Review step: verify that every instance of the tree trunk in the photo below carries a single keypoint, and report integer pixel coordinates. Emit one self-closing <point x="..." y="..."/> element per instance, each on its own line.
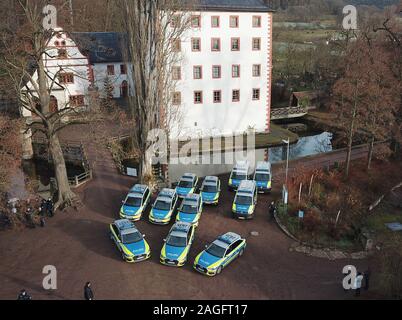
<point x="66" y="196"/>
<point x="349" y="155"/>
<point x="370" y="153"/>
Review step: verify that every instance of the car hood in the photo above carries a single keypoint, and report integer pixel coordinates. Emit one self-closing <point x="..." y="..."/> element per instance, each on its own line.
<point x="130" y="211"/>
<point x="242" y="208"/>
<point x="159" y="214"/>
<point x="183" y="191"/>
<point x="209" y="195"/>
<point x="262" y="183"/>
<point x="136" y="248"/>
<point x="173" y="253"/>
<point x="206" y="259"/>
<point x="187" y="217"/>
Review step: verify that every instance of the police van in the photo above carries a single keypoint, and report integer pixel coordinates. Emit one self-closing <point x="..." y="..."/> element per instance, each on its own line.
<point x="240" y="172"/>
<point x="245" y="201"/>
<point x="263" y="176"/>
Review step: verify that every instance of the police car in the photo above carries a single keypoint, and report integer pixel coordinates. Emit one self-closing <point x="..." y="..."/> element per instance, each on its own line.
<point x="187" y="184"/>
<point x="135" y="203"/>
<point x="263" y="176"/>
<point x="245" y="200"/>
<point x="190" y="209"/>
<point x="163" y="207"/>
<point x="129" y="241"/>
<point x="240" y="172"/>
<point x="210" y="190"/>
<point x="219" y="254"/>
<point x="177" y="244"/>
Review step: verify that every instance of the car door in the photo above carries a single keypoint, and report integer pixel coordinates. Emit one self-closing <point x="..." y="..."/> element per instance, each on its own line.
<point x="116" y="236"/>
<point x="229" y="255"/>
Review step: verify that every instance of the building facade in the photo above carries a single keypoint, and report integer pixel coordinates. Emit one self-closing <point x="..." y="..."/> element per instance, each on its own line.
<point x="224" y="76"/>
<point x="223" y="79"/>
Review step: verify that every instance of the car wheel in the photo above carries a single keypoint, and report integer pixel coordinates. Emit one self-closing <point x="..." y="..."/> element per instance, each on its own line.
<point x="241" y="252"/>
<point x="219" y="270"/>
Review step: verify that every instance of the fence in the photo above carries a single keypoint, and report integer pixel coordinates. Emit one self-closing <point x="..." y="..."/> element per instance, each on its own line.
<point x="73" y="151"/>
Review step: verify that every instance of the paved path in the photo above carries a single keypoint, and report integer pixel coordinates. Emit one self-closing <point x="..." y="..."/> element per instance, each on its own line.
<point x="77" y="244"/>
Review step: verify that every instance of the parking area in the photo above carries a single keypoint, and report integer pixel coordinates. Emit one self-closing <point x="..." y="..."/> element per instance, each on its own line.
<point x="78" y="245"/>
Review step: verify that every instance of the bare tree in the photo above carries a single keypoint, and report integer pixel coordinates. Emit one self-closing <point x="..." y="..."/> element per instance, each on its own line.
<point x="25" y="52"/>
<point x="155" y="30"/>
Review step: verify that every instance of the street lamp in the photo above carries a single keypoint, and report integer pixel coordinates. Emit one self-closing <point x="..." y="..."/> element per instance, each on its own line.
<point x="287" y="160"/>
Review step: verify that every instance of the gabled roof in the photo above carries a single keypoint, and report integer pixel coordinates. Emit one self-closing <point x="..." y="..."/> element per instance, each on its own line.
<point x="230" y="5"/>
<point x="102" y="47"/>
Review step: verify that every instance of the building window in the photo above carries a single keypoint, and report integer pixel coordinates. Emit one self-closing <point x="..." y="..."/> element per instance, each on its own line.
<point x="235" y="71"/>
<point x="176" y="45"/>
<point x="62" y="53"/>
<point x="65" y="78"/>
<point x="216" y="72"/>
<point x="216" y="44"/>
<point x="235" y="44"/>
<point x="123" y="69"/>
<point x="196" y="21"/>
<point x="176" y="98"/>
<point x="110" y="70"/>
<point x="215" y="21"/>
<point x="256" y="94"/>
<point x="176" y="73"/>
<point x="256" y="70"/>
<point x="234" y="21"/>
<point x="256" y="21"/>
<point x="197" y="72"/>
<point x="197" y="97"/>
<point x="77" y="101"/>
<point x="256" y="44"/>
<point x="176" y="21"/>
<point x="196" y="44"/>
<point x="236" y="95"/>
<point x="217" y="97"/>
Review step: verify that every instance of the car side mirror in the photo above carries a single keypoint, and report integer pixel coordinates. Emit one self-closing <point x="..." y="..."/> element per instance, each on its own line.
<point x="164" y="240"/>
<point x="206" y="246"/>
<point x="122" y="201"/>
<point x="143" y="235"/>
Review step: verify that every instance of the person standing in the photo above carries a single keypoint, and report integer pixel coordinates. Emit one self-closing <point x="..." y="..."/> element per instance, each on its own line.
<point x="24" y="295"/>
<point x="88" y="293"/>
<point x="272" y="210"/>
<point x="358" y="284"/>
<point x="49" y="207"/>
<point x="367" y="275"/>
<point x="43" y="208"/>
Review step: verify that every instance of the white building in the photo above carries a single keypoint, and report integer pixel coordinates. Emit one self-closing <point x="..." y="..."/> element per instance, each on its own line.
<point x="65" y="62"/>
<point x="223" y="81"/>
<point x="224" y="77"/>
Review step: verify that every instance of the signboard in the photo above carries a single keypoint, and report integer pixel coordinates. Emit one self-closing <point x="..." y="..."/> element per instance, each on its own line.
<point x="301" y="214"/>
<point x="132" y="172"/>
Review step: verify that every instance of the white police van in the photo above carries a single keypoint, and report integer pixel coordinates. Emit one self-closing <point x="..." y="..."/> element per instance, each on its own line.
<point x="263" y="176"/>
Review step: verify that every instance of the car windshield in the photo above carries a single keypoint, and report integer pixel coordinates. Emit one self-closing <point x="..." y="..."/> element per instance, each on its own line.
<point x="162" y="205"/>
<point x="244" y="200"/>
<point x="209" y="188"/>
<point x="216" y="250"/>
<point x="185" y="184"/>
<point x="262" y="177"/>
<point x="238" y="176"/>
<point x="133" y="202"/>
<point x="131" y="237"/>
<point x="189" y="208"/>
<point x="176" y="241"/>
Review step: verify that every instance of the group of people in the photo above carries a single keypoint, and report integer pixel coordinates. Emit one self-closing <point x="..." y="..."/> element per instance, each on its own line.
<point x="46" y="209"/>
<point x="88" y="293"/>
